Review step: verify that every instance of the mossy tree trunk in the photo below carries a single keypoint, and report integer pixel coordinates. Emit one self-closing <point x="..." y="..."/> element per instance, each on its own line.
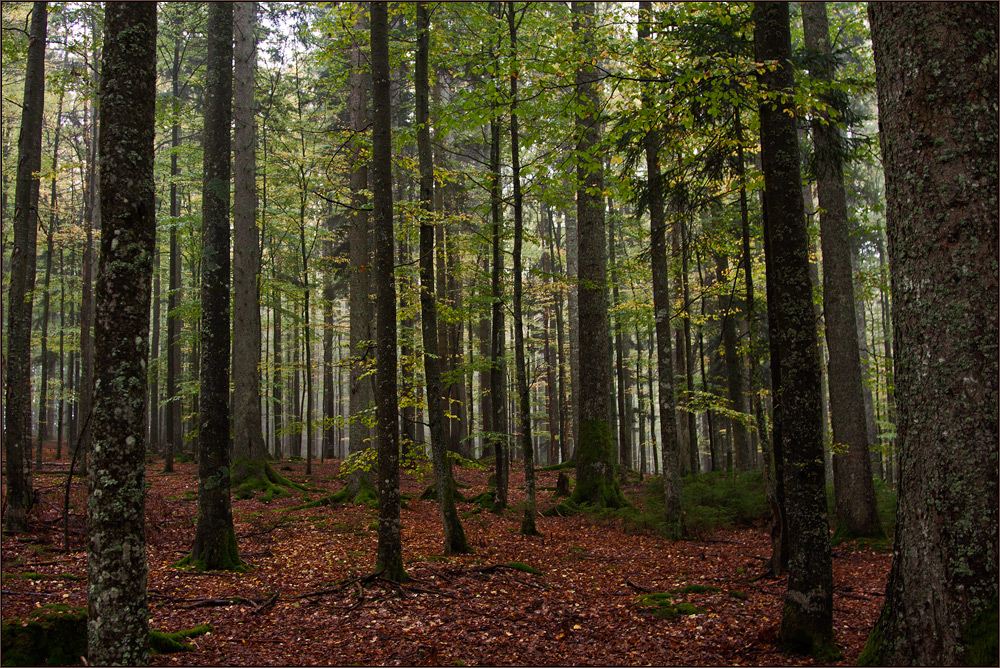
<point x="936" y="73"/>
<point x="857" y="514"/>
<point x="215" y="538"/>
<point x="454" y="535"/>
<point x="118" y="613"/>
<point x="596" y="482"/>
<point x="17" y="402"/>
<point x="807" y="617"/>
<point x="661" y="306"/>
<point x="389" y="561"/>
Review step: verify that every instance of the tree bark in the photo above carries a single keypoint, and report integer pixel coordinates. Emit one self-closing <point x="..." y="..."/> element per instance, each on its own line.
<point x="174" y="435"/>
<point x="215" y="538"/>
<point x="807" y="618"/>
<point x="17" y="404"/>
<point x="936" y="71"/>
<point x="118" y="614"/>
<point x="389" y="561"/>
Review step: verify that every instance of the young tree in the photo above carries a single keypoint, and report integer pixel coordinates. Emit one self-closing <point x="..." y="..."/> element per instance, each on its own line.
<point x="807" y="618"/>
<point x="215" y="538"/>
<point x="939" y="147"/>
<point x="118" y="615"/>
<point x="595" y="456"/>
<point x="454" y="534"/>
<point x="17" y="403"/>
<point x="389" y="562"/>
<point x="853" y="485"/>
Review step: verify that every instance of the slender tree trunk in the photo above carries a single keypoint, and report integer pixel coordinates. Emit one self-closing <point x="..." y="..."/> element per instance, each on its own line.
<point x="742" y="457"/>
<point x="17" y="403"/>
<point x="454" y="534"/>
<point x="153" y="400"/>
<point x="361" y="311"/>
<point x="215" y="538"/>
<point x="118" y="624"/>
<point x="939" y="148"/>
<point x="174" y="435"/>
<point x="520" y="364"/>
<point x="389" y="562"/>
<point x="661" y="308"/>
<point x="807" y="618"/>
<point x="853" y="486"/>
<point x="623" y="376"/>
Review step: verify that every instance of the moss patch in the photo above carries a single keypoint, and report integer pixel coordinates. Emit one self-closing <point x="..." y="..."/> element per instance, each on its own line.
<point x="980" y="638"/>
<point x="52" y="635"/>
<point x="518" y="566"/>
<point x="596" y="483"/>
<point x="662" y="605"/>
<point x="168" y="643"/>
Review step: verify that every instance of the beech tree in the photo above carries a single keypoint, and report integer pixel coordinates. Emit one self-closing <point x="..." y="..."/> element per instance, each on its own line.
<point x="117" y="629"/>
<point x="939" y="125"/>
<point x="17" y="402"/>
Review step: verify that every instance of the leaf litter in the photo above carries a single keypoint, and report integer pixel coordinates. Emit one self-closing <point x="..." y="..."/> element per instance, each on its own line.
<point x="309" y="598"/>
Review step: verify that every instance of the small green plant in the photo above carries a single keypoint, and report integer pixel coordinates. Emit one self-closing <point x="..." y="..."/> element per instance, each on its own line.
<point x="662" y="605"/>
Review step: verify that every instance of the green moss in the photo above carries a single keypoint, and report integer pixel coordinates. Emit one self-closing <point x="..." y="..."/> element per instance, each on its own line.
<point x="168" y="643"/>
<point x="226" y="559"/>
<point x="738" y="595"/>
<point x="800" y="634"/>
<point x="53" y="635"/>
<point x="596" y="483"/>
<point x="697" y="589"/>
<point x="980" y="638"/>
<point x="871" y="653"/>
<point x="518" y="566"/>
<point x="43" y="576"/>
<point x="486" y="500"/>
<point x="568" y="464"/>
<point x="663" y="606"/>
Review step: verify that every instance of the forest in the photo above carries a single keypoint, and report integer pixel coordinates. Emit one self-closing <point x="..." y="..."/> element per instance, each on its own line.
<point x="503" y="333"/>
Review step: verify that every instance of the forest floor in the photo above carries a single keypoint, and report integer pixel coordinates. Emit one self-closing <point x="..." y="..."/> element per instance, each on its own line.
<point x="302" y="601"/>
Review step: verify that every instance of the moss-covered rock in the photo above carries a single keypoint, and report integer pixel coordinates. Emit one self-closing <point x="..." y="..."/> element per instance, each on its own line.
<point x="52" y="635"/>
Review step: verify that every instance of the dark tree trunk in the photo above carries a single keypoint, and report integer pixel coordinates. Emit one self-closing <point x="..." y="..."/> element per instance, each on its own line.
<point x="939" y="148"/>
<point x="17" y="404"/>
<point x="595" y="456"/>
<point x="742" y="456"/>
<point x="389" y="562"/>
<point x="853" y="486"/>
<point x="807" y="618"/>
<point x="661" y="308"/>
<point x="118" y="614"/>
<point x="215" y="538"/>
<point x="454" y="534"/>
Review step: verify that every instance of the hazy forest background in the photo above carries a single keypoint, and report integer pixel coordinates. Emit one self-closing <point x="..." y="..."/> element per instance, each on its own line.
<point x="588" y="289"/>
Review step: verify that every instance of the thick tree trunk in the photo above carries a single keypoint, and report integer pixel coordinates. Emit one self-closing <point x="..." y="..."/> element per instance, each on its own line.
<point x="249" y="453"/>
<point x="939" y="148"/>
<point x="595" y="456"/>
<point x="118" y="614"/>
<point x="807" y="618"/>
<point x="853" y="485"/>
<point x="215" y="538"/>
<point x="389" y="561"/>
<point x="17" y="404"/>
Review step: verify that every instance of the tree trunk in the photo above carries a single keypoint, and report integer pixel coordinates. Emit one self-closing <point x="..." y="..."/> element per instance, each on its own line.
<point x="520" y="364"/>
<point x="807" y="618"/>
<point x="742" y="456"/>
<point x="361" y="312"/>
<point x="389" y="562"/>
<point x="174" y="435"/>
<point x="118" y="624"/>
<point x="215" y="538"/>
<point x="249" y="453"/>
<point x="853" y="485"/>
<point x="454" y="534"/>
<point x="939" y="149"/>
<point x="17" y="404"/>
<point x="661" y="307"/>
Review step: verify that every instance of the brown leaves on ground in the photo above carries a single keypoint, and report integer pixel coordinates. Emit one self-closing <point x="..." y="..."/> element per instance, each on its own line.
<point x="306" y="600"/>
